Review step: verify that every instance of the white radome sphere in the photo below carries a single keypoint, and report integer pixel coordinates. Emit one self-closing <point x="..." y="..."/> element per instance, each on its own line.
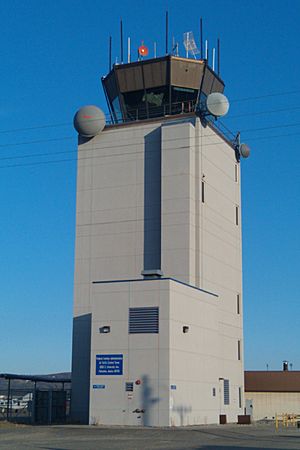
<point x="217" y="104"/>
<point x="244" y="150"/>
<point x="89" y="121"/>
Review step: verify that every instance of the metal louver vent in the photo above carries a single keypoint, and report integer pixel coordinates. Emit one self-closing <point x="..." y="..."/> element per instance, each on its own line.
<point x="143" y="320"/>
<point x="226" y="392"/>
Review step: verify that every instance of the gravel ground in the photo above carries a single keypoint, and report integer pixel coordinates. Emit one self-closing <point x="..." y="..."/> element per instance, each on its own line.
<point x="71" y="437"/>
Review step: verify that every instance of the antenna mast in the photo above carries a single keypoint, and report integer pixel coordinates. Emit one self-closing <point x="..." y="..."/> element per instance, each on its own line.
<point x="109" y="54"/>
<point x="128" y="46"/>
<point x="121" y="38"/>
<point x="201" y="38"/>
<point x="218" y="56"/>
<point x="167" y="31"/>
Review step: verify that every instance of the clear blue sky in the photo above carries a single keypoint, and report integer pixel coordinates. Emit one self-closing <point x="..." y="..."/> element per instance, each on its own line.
<point x="53" y="53"/>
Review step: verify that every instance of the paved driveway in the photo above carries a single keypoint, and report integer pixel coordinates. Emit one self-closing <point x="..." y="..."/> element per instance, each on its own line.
<point x="228" y="437"/>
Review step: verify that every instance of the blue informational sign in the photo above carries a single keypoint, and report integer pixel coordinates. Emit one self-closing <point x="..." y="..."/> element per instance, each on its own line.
<point x="109" y="364"/>
<point x="173" y="387"/>
<point x="98" y="386"/>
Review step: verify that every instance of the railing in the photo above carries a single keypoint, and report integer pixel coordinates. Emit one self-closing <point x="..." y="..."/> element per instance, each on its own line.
<point x="144" y="112"/>
<point x="147" y="111"/>
<point x="286" y="420"/>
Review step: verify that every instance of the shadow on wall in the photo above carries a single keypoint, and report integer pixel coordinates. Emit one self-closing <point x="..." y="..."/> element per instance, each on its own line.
<point x="148" y="401"/>
<point x="81" y="369"/>
<point x="182" y="410"/>
<point x="152" y="201"/>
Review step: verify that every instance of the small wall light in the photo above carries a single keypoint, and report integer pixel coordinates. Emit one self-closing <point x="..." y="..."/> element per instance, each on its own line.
<point x="185" y="329"/>
<point x="105" y="329"/>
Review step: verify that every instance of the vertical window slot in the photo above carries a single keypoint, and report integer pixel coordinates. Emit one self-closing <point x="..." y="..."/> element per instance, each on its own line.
<point x="239" y="350"/>
<point x="236" y="215"/>
<point x="202" y="191"/>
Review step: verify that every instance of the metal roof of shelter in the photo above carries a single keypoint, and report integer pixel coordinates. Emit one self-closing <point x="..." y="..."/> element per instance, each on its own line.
<point x="36" y="378"/>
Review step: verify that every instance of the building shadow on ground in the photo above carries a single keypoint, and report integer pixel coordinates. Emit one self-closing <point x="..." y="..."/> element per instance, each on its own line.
<point x="235" y="447"/>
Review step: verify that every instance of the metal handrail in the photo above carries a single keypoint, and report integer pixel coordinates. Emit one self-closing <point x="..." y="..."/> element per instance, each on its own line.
<point x="141" y="112"/>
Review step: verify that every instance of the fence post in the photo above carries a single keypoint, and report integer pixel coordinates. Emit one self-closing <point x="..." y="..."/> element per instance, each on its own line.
<point x="8" y="400"/>
<point x="33" y="407"/>
<point x="50" y="407"/>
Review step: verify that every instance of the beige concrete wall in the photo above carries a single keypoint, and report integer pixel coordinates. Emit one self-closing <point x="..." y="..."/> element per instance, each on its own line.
<point x="267" y="404"/>
<point x="179" y="371"/>
<point x="145" y="356"/>
<point x="178" y="200"/>
<point x="220" y="248"/>
<point x="110" y="209"/>
<point x="197" y="360"/>
<point x="200" y="241"/>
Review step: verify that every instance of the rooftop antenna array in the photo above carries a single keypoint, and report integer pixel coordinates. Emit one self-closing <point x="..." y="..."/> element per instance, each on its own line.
<point x="188" y="42"/>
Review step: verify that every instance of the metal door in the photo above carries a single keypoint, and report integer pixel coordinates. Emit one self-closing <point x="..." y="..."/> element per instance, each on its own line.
<point x="249" y="407"/>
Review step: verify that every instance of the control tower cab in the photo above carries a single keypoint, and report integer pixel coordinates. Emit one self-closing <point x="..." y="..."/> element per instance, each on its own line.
<point x="158" y="87"/>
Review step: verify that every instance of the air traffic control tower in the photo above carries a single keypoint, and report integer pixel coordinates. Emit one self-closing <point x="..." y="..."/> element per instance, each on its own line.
<point x="158" y="334"/>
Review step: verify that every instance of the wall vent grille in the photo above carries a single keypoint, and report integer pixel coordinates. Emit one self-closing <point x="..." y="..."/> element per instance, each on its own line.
<point x="226" y="392"/>
<point x="143" y="320"/>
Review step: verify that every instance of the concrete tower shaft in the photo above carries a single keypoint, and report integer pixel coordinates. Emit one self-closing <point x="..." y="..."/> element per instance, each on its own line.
<point x="158" y="269"/>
